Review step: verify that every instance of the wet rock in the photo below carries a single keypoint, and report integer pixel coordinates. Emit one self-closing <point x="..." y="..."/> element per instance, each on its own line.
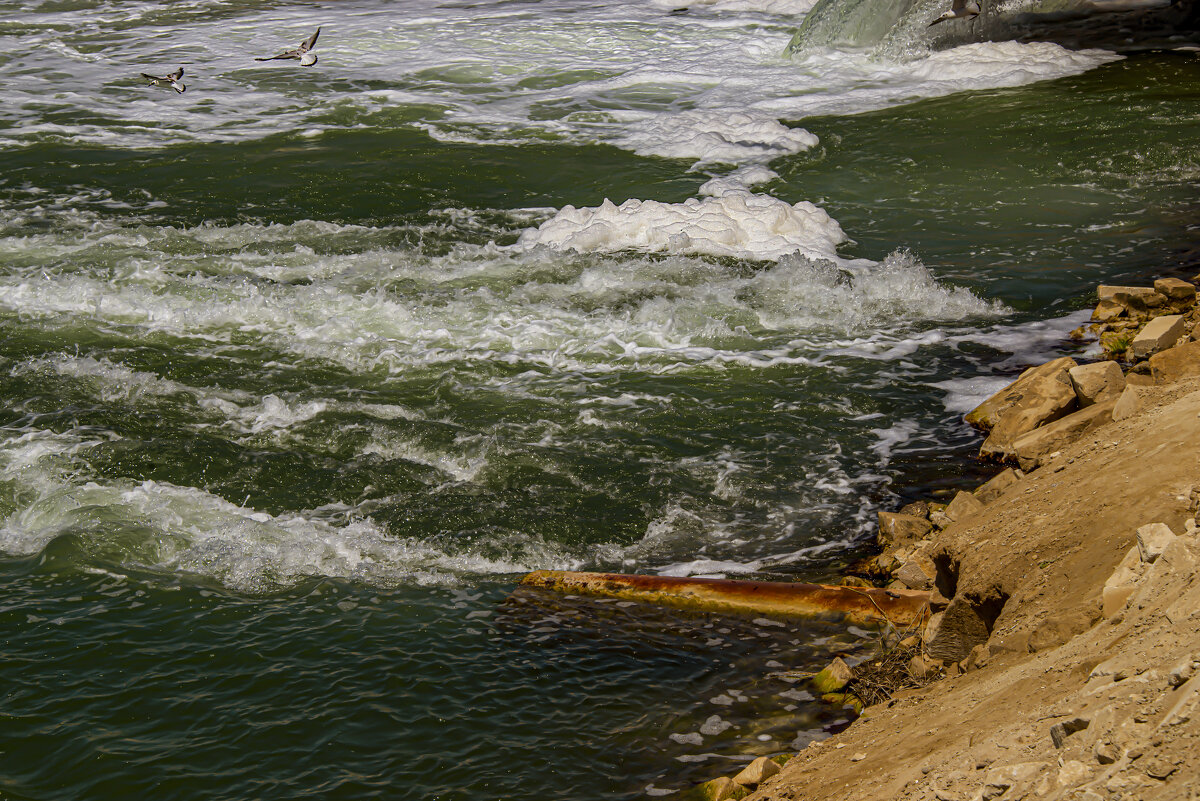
<point x="1060" y="731"/>
<point x="1175" y="363"/>
<point x="836" y="675"/>
<point x="1097" y="382"/>
<point x="1152" y="540"/>
<point x="899" y="529"/>
<point x="757" y="772"/>
<point x="988" y="414"/>
<point x="994" y="487"/>
<point x="1033" y="449"/>
<point x="1159" y="334"/>
<point x="963" y="506"/>
<point x="720" y="789"/>
<point x="844" y="699"/>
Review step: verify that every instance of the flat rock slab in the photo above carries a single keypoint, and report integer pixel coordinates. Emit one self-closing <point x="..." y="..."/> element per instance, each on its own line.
<point x="1136" y="299"/>
<point x="1031" y="449"/>
<point x="1159" y="334"/>
<point x="1038" y="397"/>
<point x="987" y="414"/>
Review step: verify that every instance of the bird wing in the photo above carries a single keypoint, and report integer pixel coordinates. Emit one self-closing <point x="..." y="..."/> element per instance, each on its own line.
<point x="309" y="42"/>
<point x="176" y="75"/>
<point x="958" y="5"/>
<point x="284" y="54"/>
<point x="152" y="78"/>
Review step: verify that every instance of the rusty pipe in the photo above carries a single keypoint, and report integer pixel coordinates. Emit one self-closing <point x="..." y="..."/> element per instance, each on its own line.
<point x="789" y="599"/>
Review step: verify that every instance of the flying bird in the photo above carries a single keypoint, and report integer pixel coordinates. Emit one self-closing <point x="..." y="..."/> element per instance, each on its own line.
<point x="959" y="9"/>
<point x="171" y="80"/>
<point x="307" y="59"/>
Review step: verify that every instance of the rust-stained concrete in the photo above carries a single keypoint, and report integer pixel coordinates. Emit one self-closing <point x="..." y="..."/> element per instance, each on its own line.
<point x="790" y="599"/>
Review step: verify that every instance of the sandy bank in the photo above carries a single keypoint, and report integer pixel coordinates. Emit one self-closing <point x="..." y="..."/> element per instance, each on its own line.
<point x="1119" y="686"/>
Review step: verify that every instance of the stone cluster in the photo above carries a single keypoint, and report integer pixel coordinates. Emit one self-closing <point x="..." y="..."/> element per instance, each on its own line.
<point x="740" y="785"/>
<point x="1155" y="333"/>
<point x="1156" y="330"/>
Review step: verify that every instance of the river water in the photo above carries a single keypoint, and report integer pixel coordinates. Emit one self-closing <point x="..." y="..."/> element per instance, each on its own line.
<point x="303" y="368"/>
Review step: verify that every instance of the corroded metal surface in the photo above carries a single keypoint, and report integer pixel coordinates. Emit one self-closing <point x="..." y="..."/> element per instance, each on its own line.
<point x="792" y="599"/>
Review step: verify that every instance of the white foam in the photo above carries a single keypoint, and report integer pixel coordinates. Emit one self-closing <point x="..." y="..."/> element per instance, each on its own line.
<point x="708" y="138"/>
<point x="623" y="72"/>
<point x="738" y="224"/>
<point x="740" y="180"/>
<point x="589" y="313"/>
<point x="964" y="394"/>
<point x="778" y="7"/>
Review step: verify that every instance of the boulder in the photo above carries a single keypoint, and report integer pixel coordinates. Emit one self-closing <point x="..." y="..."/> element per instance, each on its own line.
<point x="1135" y="299"/>
<point x="1042" y="401"/>
<point x="951" y="636"/>
<point x="1159" y="334"/>
<point x="899" y="530"/>
<point x="963" y="506"/>
<point x="1096" y="382"/>
<point x="995" y="486"/>
<point x="836" y="675"/>
<point x="721" y="789"/>
<point x="1175" y="363"/>
<point x="1179" y="293"/>
<point x="1031" y="450"/>
<point x="1152" y="540"/>
<point x="987" y="414"/>
<point x="757" y="772"/>
<point x="1128" y="404"/>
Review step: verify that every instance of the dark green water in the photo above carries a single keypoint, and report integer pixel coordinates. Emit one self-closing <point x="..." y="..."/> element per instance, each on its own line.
<point x="286" y="409"/>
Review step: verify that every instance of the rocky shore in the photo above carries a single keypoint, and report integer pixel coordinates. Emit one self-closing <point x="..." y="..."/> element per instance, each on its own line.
<point x="1060" y="658"/>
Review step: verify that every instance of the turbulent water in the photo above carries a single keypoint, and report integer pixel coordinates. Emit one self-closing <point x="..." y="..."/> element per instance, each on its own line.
<point x="302" y="368"/>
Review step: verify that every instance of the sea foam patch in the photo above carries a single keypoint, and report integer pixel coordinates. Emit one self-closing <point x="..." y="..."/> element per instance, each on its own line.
<point x="709" y="137"/>
<point x="738" y="224"/>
